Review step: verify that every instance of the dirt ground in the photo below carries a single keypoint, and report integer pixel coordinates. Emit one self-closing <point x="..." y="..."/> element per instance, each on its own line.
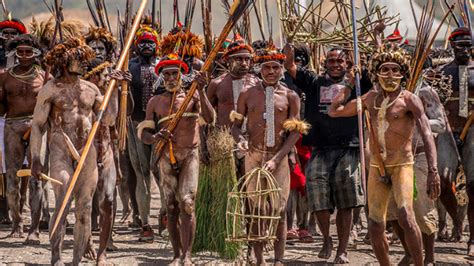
<point x="132" y="252"/>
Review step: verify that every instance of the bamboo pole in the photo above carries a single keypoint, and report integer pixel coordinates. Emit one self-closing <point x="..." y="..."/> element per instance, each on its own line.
<point x="122" y="122"/>
<point x="235" y="12"/>
<point x="100" y="114"/>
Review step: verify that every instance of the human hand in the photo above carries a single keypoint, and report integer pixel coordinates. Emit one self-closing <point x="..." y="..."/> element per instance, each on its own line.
<point x="243" y="146"/>
<point x="162" y="135"/>
<point x="292" y="160"/>
<point x="202" y="79"/>
<point x="380" y="27"/>
<point x="433" y="185"/>
<point x="36" y="169"/>
<point x="121" y="75"/>
<point x="270" y="166"/>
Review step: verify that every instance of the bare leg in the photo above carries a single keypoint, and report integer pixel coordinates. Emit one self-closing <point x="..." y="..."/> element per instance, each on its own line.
<point x="468" y="164"/>
<point x="123" y="189"/>
<point x="45" y="217"/>
<point x="281" y="239"/>
<point x="15" y="150"/>
<point x="323" y="223"/>
<point x="407" y="259"/>
<point x="406" y="219"/>
<point x="344" y="224"/>
<point x="428" y="244"/>
<point x="379" y="242"/>
<point x="173" y="217"/>
<point x="105" y="190"/>
<point x="35" y="201"/>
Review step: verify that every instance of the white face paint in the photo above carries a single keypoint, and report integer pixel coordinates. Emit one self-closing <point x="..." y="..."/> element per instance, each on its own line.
<point x="389" y="76"/>
<point x="171" y="78"/>
<point x="99" y="50"/>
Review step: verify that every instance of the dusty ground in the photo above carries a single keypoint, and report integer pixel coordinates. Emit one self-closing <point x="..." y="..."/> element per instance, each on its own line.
<point x="131" y="252"/>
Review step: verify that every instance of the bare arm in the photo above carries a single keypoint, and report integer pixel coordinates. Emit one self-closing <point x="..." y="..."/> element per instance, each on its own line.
<point x="111" y="112"/>
<point x="3" y="107"/>
<point x="38" y="127"/>
<point x="206" y="109"/>
<point x="290" y="64"/>
<point x="211" y="93"/>
<point x="237" y="123"/>
<point x="415" y="105"/>
<point x="434" y="109"/>
<point x="339" y="109"/>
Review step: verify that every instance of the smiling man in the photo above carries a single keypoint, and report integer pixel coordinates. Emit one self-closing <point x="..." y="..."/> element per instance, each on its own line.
<point x="332" y="174"/>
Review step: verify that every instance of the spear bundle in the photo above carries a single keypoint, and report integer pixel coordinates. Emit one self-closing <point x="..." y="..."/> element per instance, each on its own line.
<point x="235" y="12"/>
<point x="206" y="10"/>
<point x="100" y="114"/>
<point x="424" y="43"/>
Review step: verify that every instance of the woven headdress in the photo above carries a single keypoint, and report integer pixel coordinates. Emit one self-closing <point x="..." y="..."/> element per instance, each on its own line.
<point x="73" y="49"/>
<point x="13" y="24"/>
<point x="267" y="54"/>
<point x="236" y="45"/>
<point x="390" y="53"/>
<point x="145" y="32"/>
<point x="181" y="42"/>
<point x="103" y="35"/>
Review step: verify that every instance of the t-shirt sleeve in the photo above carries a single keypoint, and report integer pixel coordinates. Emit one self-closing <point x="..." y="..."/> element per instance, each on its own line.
<point x="304" y="78"/>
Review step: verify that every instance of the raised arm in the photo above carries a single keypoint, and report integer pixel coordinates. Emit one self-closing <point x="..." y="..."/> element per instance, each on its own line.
<point x="290" y="65"/>
<point x="207" y="111"/>
<point x="38" y="127"/>
<point x="415" y="105"/>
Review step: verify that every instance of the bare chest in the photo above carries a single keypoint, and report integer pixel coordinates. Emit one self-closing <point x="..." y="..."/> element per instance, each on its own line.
<point x="75" y="98"/>
<point x="166" y="105"/>
<point x="18" y="90"/>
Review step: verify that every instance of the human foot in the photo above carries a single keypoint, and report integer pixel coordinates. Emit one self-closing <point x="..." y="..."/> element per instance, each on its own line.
<point x="326" y="251"/>
<point x="341" y="259"/>
<point x="111" y="246"/>
<point x="32" y="239"/>
<point x="89" y="253"/>
<point x="17" y="232"/>
<point x="470" y="249"/>
<point x="406" y="260"/>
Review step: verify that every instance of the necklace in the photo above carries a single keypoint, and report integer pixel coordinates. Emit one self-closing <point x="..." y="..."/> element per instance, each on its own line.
<point x="26" y="77"/>
<point x="389" y="104"/>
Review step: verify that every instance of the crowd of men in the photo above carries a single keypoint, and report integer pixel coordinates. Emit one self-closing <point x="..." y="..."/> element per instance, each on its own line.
<point x="300" y="125"/>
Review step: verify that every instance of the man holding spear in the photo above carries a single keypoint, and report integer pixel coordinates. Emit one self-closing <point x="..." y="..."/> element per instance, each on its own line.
<point x="179" y="164"/>
<point x="69" y="106"/>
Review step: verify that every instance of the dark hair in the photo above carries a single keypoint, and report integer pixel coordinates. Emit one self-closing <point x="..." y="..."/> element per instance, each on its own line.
<point x="259" y="44"/>
<point x="23" y="39"/>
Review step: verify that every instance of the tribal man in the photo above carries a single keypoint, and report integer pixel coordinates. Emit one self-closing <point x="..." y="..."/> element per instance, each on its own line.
<point x="67" y="107"/>
<point x="104" y="45"/>
<point x="179" y="162"/>
<point x="138" y="160"/>
<point x="224" y="91"/>
<point x="19" y="87"/>
<point x="394" y="112"/>
<point x="9" y="29"/>
<point x="460" y="110"/>
<point x="272" y="111"/>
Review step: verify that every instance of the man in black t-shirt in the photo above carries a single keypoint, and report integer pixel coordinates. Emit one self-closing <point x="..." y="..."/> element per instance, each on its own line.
<point x="332" y="174"/>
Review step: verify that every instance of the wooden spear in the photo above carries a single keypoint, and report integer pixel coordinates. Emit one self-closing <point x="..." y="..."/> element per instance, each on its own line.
<point x="358" y="93"/>
<point x="235" y="12"/>
<point x="100" y="114"/>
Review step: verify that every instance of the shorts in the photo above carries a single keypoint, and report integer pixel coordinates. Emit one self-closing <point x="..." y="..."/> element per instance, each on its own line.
<point x="333" y="180"/>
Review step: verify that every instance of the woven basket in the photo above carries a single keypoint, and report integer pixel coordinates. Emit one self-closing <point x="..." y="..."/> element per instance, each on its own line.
<point x="254" y="208"/>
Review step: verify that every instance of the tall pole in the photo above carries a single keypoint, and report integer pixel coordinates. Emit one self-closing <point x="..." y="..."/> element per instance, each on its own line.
<point x="360" y="119"/>
<point x="103" y="106"/>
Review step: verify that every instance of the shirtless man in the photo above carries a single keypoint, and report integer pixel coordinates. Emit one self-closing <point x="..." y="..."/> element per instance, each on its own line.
<point x="9" y="29"/>
<point x="19" y="87"/>
<point x="272" y="111"/>
<point x="394" y="112"/>
<point x="67" y="107"/>
<point x="458" y="109"/>
<point x="224" y="91"/>
<point x="179" y="162"/>
<point x="423" y="206"/>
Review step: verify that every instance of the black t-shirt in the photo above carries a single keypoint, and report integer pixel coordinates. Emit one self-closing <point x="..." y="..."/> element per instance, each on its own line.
<point x="327" y="132"/>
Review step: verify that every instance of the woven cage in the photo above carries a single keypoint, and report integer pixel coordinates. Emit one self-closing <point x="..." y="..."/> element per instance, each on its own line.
<point x="255" y="204"/>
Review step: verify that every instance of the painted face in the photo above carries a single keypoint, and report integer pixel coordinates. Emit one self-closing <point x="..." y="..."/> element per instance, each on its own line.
<point x="99" y="49"/>
<point x="239" y="62"/>
<point x="389" y="76"/>
<point x="462" y="47"/>
<point x="147" y="48"/>
<point x="172" y="79"/>
<point x="9" y="34"/>
<point x="75" y="67"/>
<point x="336" y="64"/>
<point x="26" y="54"/>
<point x="271" y="72"/>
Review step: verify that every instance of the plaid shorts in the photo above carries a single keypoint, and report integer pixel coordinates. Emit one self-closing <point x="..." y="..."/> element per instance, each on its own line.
<point x="333" y="180"/>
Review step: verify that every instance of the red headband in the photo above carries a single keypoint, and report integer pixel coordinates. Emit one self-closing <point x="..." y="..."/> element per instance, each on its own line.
<point x="147" y="36"/>
<point x="13" y="25"/>
<point x="234" y="49"/>
<point x="457" y="33"/>
<point x="180" y="64"/>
